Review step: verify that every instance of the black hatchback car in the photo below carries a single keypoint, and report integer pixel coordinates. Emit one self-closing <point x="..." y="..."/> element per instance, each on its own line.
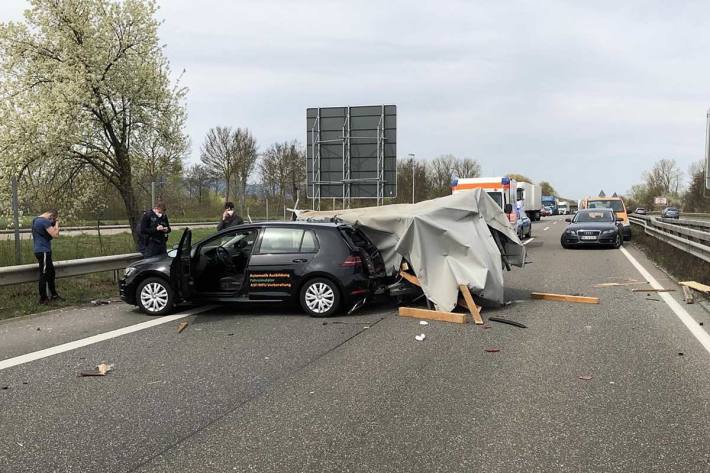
<point x="324" y="266"/>
<point x="593" y="227"/>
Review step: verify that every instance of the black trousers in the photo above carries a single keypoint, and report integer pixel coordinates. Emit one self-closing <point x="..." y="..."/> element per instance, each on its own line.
<point x="46" y="275"/>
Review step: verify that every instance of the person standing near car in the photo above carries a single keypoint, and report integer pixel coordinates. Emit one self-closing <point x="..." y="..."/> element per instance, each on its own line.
<point x="45" y="227"/>
<point x="154" y="230"/>
<point x="229" y="217"/>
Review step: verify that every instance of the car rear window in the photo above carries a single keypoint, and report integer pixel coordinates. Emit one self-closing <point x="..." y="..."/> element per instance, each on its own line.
<point x="356" y="238"/>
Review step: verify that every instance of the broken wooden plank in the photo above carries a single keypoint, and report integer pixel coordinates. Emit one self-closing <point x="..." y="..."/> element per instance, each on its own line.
<point x="564" y="298"/>
<point x="411" y="278"/>
<point x="182" y="326"/>
<point x="432" y="315"/>
<point x="470" y="305"/>
<point x="650" y="289"/>
<point x="697" y="286"/>
<point x="688" y="295"/>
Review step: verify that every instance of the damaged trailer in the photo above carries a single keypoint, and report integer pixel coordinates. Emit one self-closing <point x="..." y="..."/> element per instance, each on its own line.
<point x="460" y="239"/>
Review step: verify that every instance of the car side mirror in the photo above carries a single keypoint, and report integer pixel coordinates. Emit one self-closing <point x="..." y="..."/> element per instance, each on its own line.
<point x="508" y="208"/>
<point x="568" y="220"/>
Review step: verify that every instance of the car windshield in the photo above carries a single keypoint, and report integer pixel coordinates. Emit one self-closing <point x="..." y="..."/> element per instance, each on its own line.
<point x="614" y="204"/>
<point x="600" y="216"/>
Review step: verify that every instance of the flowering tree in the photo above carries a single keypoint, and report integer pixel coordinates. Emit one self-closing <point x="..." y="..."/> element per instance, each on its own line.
<point x="86" y="98"/>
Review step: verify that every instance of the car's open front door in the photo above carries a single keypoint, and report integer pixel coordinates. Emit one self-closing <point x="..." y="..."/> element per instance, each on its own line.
<point x="180" y="269"/>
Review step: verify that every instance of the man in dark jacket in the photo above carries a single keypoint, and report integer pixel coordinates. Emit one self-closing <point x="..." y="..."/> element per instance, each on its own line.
<point x="154" y="229"/>
<point x="229" y="217"/>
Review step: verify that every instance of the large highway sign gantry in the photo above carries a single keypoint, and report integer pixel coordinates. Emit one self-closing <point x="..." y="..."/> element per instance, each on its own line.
<point x="351" y="153"/>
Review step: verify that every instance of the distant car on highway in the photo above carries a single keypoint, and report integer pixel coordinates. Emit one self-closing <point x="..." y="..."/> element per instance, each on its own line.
<point x="523" y="226"/>
<point x="324" y="266"/>
<point x="641" y="211"/>
<point x="593" y="227"/>
<point x="670" y="212"/>
<point x="546" y="211"/>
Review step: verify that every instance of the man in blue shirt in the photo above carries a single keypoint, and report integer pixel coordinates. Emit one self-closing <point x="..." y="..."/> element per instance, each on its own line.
<point x="44" y="229"/>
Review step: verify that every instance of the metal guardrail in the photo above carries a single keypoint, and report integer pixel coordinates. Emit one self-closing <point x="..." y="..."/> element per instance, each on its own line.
<point x="29" y="272"/>
<point x="680" y="233"/>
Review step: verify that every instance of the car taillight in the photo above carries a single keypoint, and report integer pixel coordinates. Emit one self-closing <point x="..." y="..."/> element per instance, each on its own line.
<point x="352" y="261"/>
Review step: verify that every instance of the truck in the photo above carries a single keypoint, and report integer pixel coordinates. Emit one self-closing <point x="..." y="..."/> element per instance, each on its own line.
<point x="531" y="195"/>
<point x="550" y="201"/>
<point x="501" y="188"/>
<point x="562" y="207"/>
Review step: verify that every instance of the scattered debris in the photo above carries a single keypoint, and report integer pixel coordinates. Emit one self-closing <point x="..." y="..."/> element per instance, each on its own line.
<point x="423" y="322"/>
<point x="652" y="299"/>
<point x="585" y="377"/>
<point x="506" y="321"/>
<point x="680" y="353"/>
<point x="100" y="302"/>
<point x="697" y="286"/>
<point x="420" y="338"/>
<point x="153" y="382"/>
<point x="615" y="284"/>
<point x="491" y="350"/>
<point x="432" y="315"/>
<point x="101" y="370"/>
<point x="325" y="323"/>
<point x="182" y="326"/>
<point x="230" y="334"/>
<point x="470" y="305"/>
<point x="564" y="298"/>
<point x="648" y="289"/>
<point x="701" y="323"/>
<point x="688" y="295"/>
<point x="5" y="387"/>
<point x="38" y="329"/>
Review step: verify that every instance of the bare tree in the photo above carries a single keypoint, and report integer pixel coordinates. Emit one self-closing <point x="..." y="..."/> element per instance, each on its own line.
<point x="441" y="170"/>
<point x="283" y="171"/>
<point x="665" y="177"/>
<point x="246" y="154"/>
<point x="467" y="167"/>
<point x="218" y="155"/>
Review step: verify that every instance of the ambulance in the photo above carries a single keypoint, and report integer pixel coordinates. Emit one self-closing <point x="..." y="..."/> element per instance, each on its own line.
<point x="502" y="189"/>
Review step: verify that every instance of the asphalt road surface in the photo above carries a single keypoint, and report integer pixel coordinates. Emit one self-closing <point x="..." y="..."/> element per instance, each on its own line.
<point x="272" y="390"/>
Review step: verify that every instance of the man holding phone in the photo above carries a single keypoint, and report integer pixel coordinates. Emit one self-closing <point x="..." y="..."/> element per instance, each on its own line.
<point x="45" y="228"/>
<point x="229" y="217"/>
<point x="154" y="229"/>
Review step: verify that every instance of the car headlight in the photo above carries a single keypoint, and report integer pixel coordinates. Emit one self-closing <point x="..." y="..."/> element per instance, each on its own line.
<point x="609" y="232"/>
<point x="127" y="272"/>
<point x="571" y="232"/>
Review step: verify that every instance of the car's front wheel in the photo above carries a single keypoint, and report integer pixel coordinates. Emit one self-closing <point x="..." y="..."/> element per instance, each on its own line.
<point x="155" y="296"/>
<point x="619" y="240"/>
<point x="320" y="297"/>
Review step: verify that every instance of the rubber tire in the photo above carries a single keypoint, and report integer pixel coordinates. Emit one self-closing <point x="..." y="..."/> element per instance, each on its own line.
<point x="564" y="245"/>
<point x="529" y="235"/>
<point x="619" y="241"/>
<point x="333" y="287"/>
<point x="171" y="296"/>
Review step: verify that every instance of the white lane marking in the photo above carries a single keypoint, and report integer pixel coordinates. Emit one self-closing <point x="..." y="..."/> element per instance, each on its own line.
<point x="528" y="240"/>
<point x="682" y="314"/>
<point x="545" y="229"/>
<point x="37" y="355"/>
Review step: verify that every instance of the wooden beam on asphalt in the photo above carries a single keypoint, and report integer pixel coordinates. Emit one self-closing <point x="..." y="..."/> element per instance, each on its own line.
<point x="688" y="295"/>
<point x="470" y="305"/>
<point x="432" y="315"/>
<point x="697" y="286"/>
<point x="650" y="289"/>
<point x="564" y="298"/>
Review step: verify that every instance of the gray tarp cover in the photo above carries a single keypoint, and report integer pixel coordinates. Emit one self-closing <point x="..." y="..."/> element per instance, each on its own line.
<point x="448" y="241"/>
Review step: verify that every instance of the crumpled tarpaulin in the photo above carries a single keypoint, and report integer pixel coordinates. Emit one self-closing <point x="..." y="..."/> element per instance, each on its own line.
<point x="448" y="241"/>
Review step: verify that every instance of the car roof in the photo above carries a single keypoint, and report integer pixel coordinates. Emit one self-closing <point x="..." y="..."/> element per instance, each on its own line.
<point x="596" y="210"/>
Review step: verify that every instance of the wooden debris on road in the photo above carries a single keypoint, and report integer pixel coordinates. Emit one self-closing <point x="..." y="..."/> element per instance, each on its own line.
<point x="411" y="278"/>
<point x="688" y="295"/>
<point x="697" y="286"/>
<point x="432" y="315"/>
<point x="615" y="284"/>
<point x="101" y="370"/>
<point x="470" y="305"/>
<point x="182" y="326"/>
<point x="650" y="289"/>
<point x="564" y="298"/>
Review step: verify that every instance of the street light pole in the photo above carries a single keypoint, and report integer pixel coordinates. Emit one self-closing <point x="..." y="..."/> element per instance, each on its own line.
<point x="411" y="156"/>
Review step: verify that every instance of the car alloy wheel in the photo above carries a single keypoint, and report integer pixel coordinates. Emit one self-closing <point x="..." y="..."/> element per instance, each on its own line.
<point x="320" y="297"/>
<point x="155" y="296"/>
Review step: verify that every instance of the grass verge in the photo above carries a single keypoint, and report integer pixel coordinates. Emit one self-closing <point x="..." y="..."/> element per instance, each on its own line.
<point x="22" y="299"/>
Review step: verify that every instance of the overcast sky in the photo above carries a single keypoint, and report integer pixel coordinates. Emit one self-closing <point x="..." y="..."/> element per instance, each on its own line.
<point x="586" y="95"/>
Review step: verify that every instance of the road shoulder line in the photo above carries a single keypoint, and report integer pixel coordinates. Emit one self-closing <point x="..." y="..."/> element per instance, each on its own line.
<point x="37" y="355"/>
<point x="700" y="334"/>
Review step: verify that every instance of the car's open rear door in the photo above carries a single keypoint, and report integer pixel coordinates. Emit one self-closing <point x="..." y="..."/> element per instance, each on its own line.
<point x="180" y="269"/>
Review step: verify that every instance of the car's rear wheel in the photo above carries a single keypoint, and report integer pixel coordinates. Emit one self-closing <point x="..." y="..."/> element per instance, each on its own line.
<point x="155" y="296"/>
<point x="320" y="297"/>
